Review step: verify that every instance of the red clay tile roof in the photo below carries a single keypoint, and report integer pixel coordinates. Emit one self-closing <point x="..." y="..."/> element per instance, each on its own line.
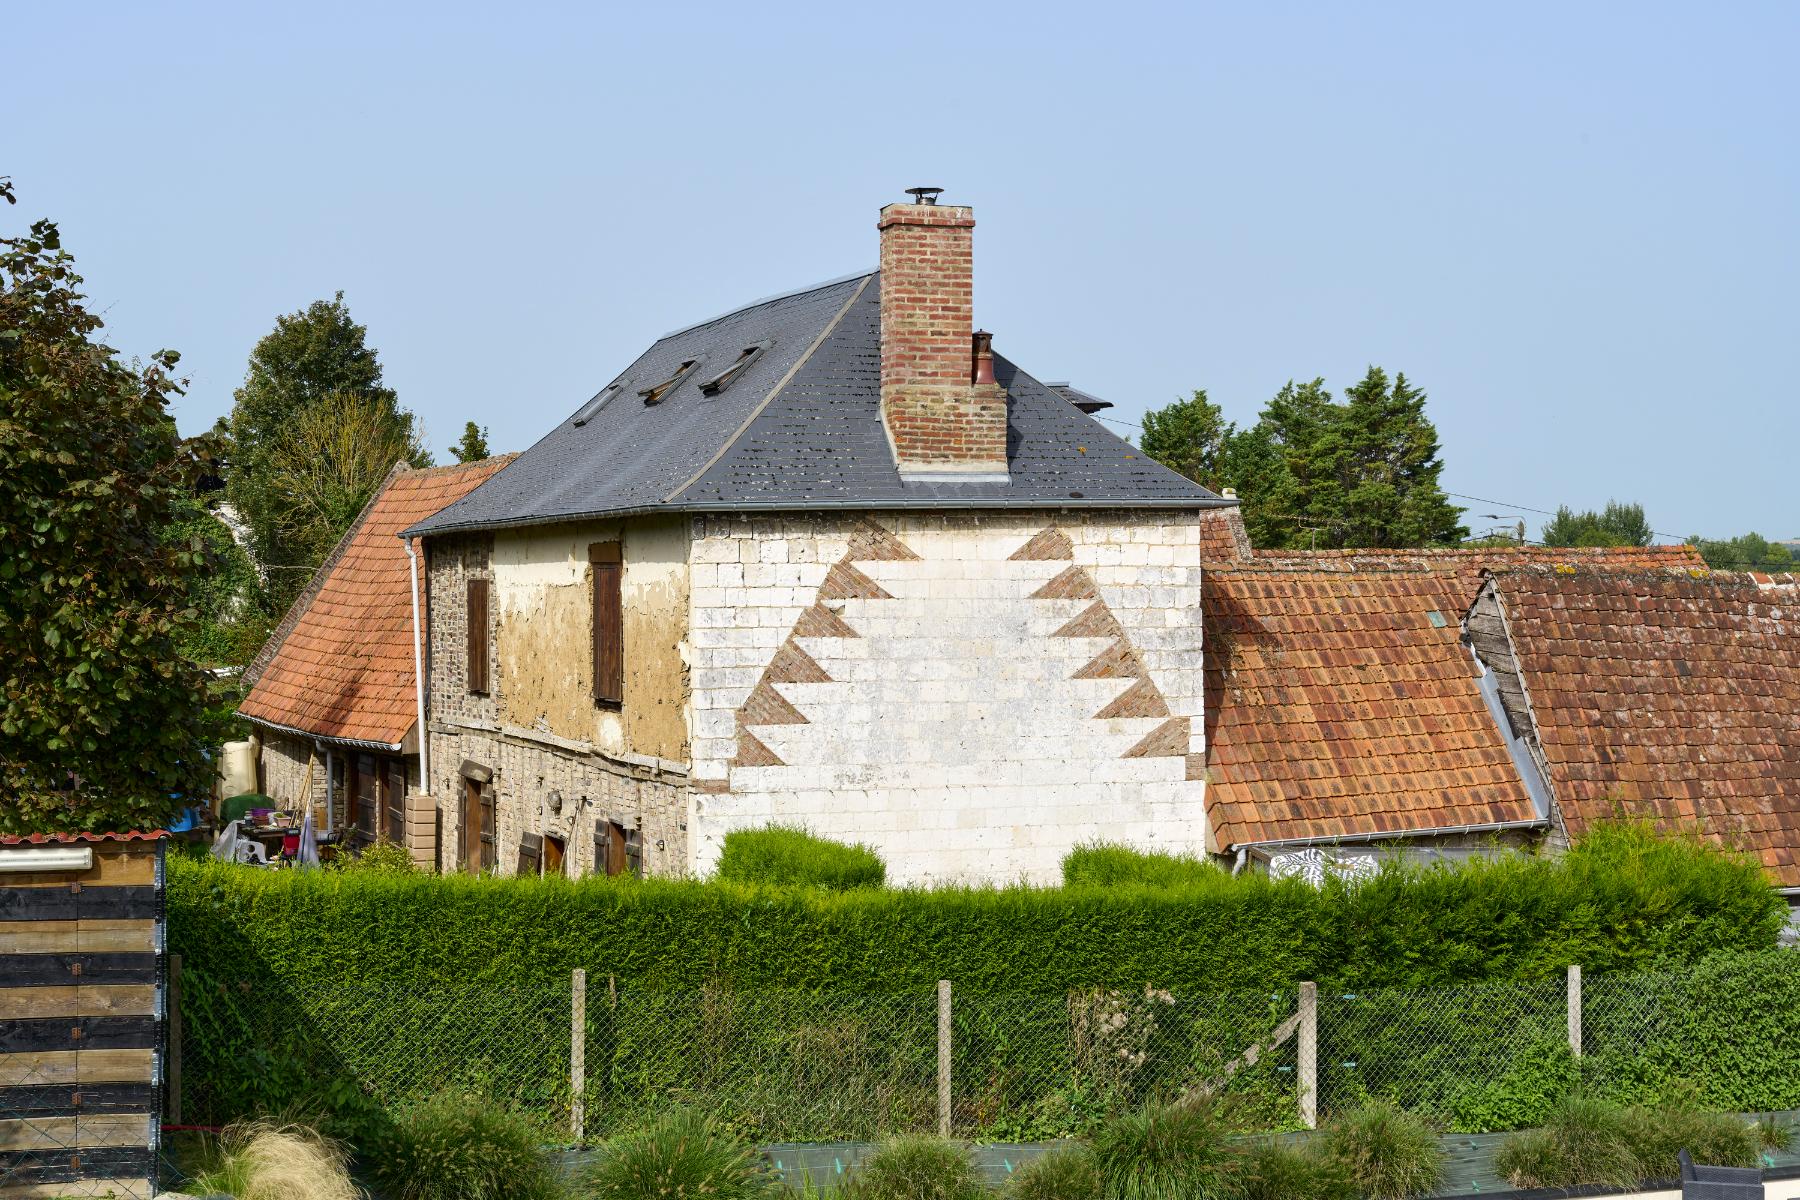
<point x="1337" y="707"/>
<point x="1670" y="695"/>
<point x="66" y="839"/>
<point x="345" y="667"/>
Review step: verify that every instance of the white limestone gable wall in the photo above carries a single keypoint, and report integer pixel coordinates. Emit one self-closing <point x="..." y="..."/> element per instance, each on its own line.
<point x="952" y="735"/>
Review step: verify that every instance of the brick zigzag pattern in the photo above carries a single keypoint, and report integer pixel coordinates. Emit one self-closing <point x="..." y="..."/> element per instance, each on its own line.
<point x="791" y="664"/>
<point x="1117" y="661"/>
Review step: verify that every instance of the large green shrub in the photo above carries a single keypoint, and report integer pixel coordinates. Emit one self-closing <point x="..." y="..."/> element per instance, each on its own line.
<point x="1108" y="864"/>
<point x="915" y="1167"/>
<point x="682" y="1155"/>
<point x="793" y="857"/>
<point x="459" y="1147"/>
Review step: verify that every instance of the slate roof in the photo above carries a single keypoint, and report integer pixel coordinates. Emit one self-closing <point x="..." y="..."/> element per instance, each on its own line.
<point x="342" y="663"/>
<point x="800" y="429"/>
<point x="1338" y="707"/>
<point x="1670" y="695"/>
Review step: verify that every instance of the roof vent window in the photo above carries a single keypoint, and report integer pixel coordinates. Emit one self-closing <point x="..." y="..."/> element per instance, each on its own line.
<point x="657" y="393"/>
<point x="600" y="401"/>
<point x="731" y="374"/>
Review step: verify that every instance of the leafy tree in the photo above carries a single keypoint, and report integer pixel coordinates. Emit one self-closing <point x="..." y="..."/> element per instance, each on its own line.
<point x="1313" y="472"/>
<point x="231" y="623"/>
<point x="331" y="460"/>
<point x="100" y="713"/>
<point x="1188" y="436"/>
<point x="1615" y="525"/>
<point x="473" y="447"/>
<point x="1748" y="552"/>
<point x="311" y="355"/>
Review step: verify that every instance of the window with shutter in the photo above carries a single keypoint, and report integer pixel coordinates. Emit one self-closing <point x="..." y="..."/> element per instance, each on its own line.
<point x="610" y="848"/>
<point x="609" y="625"/>
<point x="554" y="856"/>
<point x="478" y="636"/>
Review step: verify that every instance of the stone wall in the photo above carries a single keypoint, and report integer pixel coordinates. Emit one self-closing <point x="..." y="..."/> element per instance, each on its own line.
<point x="970" y="693"/>
<point x="285" y="761"/>
<point x="548" y="778"/>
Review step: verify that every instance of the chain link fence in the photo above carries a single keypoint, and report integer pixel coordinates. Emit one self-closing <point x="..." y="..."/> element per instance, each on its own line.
<point x="793" y="1066"/>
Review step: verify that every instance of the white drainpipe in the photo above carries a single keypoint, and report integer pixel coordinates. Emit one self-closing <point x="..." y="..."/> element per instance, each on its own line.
<point x="412" y="557"/>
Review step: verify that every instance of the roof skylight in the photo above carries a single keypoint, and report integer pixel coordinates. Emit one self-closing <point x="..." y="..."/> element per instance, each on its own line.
<point x="600" y="400"/>
<point x="656" y="393"/>
<point x="731" y="374"/>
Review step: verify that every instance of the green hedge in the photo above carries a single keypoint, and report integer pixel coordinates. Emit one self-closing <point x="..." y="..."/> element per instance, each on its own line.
<point x="1623" y="900"/>
<point x="782" y="855"/>
<point x="344" y="989"/>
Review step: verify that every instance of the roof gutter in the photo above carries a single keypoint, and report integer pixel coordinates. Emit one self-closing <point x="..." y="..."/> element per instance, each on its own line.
<point x="1388" y="836"/>
<point x="412" y="561"/>
<point x="310" y="735"/>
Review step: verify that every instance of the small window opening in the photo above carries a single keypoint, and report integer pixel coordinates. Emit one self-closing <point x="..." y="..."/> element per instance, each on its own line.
<point x="592" y="408"/>
<point x="656" y="394"/>
<point x="735" y="371"/>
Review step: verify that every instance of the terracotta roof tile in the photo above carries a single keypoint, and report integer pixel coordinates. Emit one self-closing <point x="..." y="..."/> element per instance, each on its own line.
<point x="64" y="839"/>
<point x="1336" y="706"/>
<point x="345" y="667"/>
<point x="1667" y="694"/>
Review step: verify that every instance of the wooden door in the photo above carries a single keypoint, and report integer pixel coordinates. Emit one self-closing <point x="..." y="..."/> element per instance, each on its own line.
<point x="553" y="856"/>
<point x="468" y="840"/>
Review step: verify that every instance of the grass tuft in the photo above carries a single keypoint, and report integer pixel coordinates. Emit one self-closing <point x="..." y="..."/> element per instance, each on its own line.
<point x="1272" y="1170"/>
<point x="460" y="1147"/>
<point x="1583" y="1144"/>
<point x="681" y="1155"/>
<point x="787" y="857"/>
<point x="265" y="1161"/>
<point x="1389" y="1154"/>
<point x="1065" y="1173"/>
<point x="915" y="1167"/>
<point x="1657" y="1135"/>
<point x="1162" y="1152"/>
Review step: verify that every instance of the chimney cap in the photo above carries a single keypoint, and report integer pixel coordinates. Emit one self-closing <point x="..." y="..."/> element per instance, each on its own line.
<point x="924" y="195"/>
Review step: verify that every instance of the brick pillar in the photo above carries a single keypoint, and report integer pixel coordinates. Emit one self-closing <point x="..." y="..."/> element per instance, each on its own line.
<point x="942" y="421"/>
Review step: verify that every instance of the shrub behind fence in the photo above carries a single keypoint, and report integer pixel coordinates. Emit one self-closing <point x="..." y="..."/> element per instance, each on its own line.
<point x="783" y="1065"/>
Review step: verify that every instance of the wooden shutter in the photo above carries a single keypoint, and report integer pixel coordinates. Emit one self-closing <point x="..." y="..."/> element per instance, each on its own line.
<point x="394" y="802"/>
<point x="490" y="855"/>
<point x="531" y="852"/>
<point x="478" y="636"/>
<point x="609" y="625"/>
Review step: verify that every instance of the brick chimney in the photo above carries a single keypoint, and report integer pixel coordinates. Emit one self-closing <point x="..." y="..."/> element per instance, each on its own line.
<point x="944" y="414"/>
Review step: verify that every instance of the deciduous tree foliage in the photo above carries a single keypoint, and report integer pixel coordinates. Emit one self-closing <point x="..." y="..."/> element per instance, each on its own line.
<point x="1747" y="552"/>
<point x="330" y="461"/>
<point x="474" y="446"/>
<point x="100" y="712"/>
<point x="1315" y="473"/>
<point x="1615" y="525"/>
<point x="311" y="355"/>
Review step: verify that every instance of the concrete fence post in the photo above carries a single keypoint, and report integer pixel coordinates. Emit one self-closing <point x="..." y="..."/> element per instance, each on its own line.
<point x="578" y="1055"/>
<point x="943" y="1057"/>
<point x="1575" y="1009"/>
<point x="1309" y="1055"/>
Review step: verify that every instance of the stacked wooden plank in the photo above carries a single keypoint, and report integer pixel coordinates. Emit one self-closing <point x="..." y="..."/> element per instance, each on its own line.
<point x="81" y="1017"/>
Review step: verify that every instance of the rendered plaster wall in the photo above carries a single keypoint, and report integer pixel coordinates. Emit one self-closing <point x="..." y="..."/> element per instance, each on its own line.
<point x="971" y="694"/>
<point x="543" y="632"/>
<point x="538" y="729"/>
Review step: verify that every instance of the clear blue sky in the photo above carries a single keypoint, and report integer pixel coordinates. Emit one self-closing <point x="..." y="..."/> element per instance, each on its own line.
<point x="1577" y="226"/>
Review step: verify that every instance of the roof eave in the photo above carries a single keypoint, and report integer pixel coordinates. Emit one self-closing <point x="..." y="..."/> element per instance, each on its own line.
<point x="874" y="505"/>
<point x="1351" y="839"/>
<point x="314" y="735"/>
